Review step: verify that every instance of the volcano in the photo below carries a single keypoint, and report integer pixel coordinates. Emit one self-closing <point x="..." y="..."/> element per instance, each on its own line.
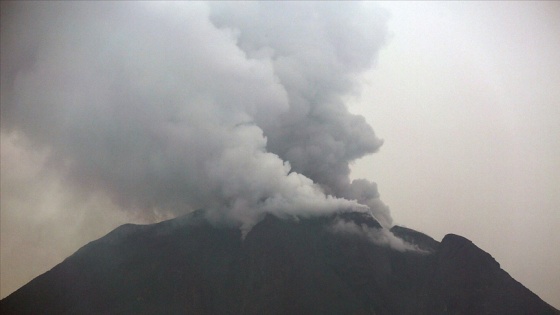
<point x="282" y="266"/>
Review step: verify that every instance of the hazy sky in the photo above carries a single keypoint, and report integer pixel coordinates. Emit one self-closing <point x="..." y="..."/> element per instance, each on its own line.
<point x="467" y="99"/>
<point x="464" y="95"/>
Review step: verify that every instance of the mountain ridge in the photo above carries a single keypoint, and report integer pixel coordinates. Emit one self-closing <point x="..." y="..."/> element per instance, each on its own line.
<point x="189" y="266"/>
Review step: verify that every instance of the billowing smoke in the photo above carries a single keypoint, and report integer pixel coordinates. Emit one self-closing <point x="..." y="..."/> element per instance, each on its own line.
<point x="232" y="107"/>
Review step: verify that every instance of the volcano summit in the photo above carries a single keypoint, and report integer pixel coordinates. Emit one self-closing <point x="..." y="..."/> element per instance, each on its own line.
<point x="153" y="110"/>
<point x="304" y="266"/>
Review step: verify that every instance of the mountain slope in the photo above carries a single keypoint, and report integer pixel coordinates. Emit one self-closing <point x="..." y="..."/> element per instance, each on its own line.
<point x="188" y="266"/>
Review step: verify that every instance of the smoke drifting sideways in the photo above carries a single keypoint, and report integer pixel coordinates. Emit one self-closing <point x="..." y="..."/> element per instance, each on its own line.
<point x="383" y="237"/>
<point x="231" y="107"/>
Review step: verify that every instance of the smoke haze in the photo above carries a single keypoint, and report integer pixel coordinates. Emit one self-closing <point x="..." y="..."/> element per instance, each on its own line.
<point x="124" y="112"/>
<point x="383" y="237"/>
<point x="170" y="107"/>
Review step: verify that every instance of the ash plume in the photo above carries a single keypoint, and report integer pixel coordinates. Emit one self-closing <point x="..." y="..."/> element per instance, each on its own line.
<point x="235" y="108"/>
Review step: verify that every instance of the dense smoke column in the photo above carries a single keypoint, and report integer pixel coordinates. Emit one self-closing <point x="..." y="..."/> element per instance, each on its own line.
<point x="172" y="107"/>
<point x="334" y="43"/>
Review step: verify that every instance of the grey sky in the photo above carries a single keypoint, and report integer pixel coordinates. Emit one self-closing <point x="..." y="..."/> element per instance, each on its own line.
<point x="464" y="96"/>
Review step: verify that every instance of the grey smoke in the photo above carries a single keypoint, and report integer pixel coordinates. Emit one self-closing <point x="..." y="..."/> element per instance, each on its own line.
<point x="235" y="108"/>
<point x="383" y="237"/>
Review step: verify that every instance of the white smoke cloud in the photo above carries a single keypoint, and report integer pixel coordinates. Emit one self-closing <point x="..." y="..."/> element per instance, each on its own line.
<point x="171" y="107"/>
<point x="316" y="49"/>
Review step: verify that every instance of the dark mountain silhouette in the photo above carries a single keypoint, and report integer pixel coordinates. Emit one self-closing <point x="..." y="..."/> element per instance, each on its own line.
<point x="188" y="266"/>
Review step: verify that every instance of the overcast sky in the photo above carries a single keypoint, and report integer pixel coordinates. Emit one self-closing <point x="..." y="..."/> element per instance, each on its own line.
<point x="464" y="95"/>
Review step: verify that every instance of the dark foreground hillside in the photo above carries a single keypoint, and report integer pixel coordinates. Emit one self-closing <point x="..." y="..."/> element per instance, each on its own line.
<point x="187" y="266"/>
